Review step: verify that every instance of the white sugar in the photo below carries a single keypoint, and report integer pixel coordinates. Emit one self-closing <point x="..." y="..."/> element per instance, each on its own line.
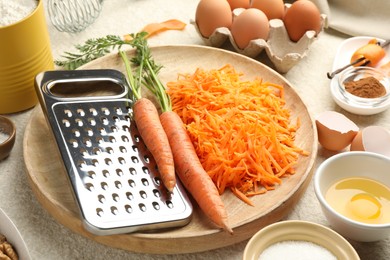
<point x="296" y="250"/>
<point x="13" y="11"/>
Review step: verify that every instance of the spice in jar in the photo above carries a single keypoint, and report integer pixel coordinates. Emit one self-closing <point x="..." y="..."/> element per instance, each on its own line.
<point x="368" y="87"/>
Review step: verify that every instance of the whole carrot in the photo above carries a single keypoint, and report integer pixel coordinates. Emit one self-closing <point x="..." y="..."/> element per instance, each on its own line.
<point x="191" y="172"/>
<point x="149" y="126"/>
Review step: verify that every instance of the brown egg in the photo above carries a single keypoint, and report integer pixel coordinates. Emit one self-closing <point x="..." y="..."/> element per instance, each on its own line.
<point x="273" y="9"/>
<point x="302" y="16"/>
<point x="211" y="15"/>
<point x="374" y="139"/>
<point x="249" y="25"/>
<point x="335" y="131"/>
<point x="239" y="4"/>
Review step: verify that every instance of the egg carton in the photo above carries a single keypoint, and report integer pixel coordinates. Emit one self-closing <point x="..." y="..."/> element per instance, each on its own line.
<point x="283" y="53"/>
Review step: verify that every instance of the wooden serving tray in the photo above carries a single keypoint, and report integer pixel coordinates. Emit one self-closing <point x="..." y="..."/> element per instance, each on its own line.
<point x="49" y="181"/>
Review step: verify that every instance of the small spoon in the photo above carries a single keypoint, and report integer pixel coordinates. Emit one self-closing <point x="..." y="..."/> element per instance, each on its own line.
<point x="366" y="62"/>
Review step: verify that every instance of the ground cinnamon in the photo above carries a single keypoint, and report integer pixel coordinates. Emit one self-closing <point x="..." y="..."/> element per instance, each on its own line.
<point x="368" y="87"/>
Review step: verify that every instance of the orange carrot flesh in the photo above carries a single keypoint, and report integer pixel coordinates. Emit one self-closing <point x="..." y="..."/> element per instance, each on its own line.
<point x="371" y="51"/>
<point x="241" y="130"/>
<point x="149" y="126"/>
<point x="191" y="173"/>
<point x="172" y="24"/>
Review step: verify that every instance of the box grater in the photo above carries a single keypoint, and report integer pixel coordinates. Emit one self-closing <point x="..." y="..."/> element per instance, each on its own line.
<point x="114" y="177"/>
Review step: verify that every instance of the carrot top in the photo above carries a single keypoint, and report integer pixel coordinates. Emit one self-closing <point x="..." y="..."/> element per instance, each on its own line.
<point x="240" y="129"/>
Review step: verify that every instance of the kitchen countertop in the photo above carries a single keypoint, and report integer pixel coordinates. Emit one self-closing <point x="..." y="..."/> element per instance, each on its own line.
<point x="47" y="239"/>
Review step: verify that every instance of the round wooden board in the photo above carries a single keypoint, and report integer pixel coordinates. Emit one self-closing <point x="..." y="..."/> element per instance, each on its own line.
<point x="48" y="177"/>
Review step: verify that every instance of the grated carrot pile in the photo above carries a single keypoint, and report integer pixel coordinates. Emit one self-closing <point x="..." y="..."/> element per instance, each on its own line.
<point x="240" y="129"/>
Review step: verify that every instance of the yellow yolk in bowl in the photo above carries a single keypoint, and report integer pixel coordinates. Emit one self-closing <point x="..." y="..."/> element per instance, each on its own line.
<point x="360" y="199"/>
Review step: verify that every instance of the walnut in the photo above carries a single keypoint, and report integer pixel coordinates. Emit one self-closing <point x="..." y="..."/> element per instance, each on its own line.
<point x="7" y="252"/>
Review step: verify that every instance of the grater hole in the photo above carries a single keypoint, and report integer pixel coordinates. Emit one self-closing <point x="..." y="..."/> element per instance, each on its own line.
<point x="111" y="139"/>
<point x="118" y="184"/>
<point x="119" y="172"/>
<point x="81" y="164"/>
<point x="129" y="195"/>
<point x="122" y="149"/>
<point x="145" y="182"/>
<point x="80" y="112"/>
<point x="135" y="148"/>
<point x="99" y="212"/>
<point x="121" y="160"/>
<point x="105" y="111"/>
<point x="131" y="183"/>
<point x="132" y="171"/>
<point x="157" y="193"/>
<point x="104" y="185"/>
<point x="147" y="158"/>
<point x="91" y="121"/>
<point x="125" y="138"/>
<point x="76" y="132"/>
<point x="101" y="198"/>
<point x="169" y="204"/>
<point x="89" y="186"/>
<point x="102" y="131"/>
<point x="115" y="197"/>
<point x="142" y="207"/>
<point x="79" y="122"/>
<point x="156" y="206"/>
<point x="91" y="174"/>
<point x="106" y="173"/>
<point x="99" y="140"/>
<point x="134" y="159"/>
<point x="126" y="128"/>
<point x="93" y="111"/>
<point x="116" y="119"/>
<point x="114" y="210"/>
<point x="114" y="129"/>
<point x="87" y="141"/>
<point x="89" y="131"/>
<point x="137" y="139"/>
<point x="143" y="194"/>
<point x="66" y="123"/>
<point x="127" y="118"/>
<point x="83" y="152"/>
<point x="68" y="113"/>
<point x="104" y="120"/>
<point x="110" y="150"/>
<point x="73" y="143"/>
<point x="157" y="181"/>
<point x="118" y="110"/>
<point x="96" y="151"/>
<point x="108" y="161"/>
<point x="95" y="162"/>
<point x="145" y="170"/>
<point x="128" y="209"/>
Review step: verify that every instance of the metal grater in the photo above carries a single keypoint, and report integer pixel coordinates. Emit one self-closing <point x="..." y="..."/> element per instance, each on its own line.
<point x="114" y="177"/>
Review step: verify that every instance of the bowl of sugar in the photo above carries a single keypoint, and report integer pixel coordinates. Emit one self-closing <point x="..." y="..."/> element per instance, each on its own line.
<point x="7" y="137"/>
<point x="298" y="239"/>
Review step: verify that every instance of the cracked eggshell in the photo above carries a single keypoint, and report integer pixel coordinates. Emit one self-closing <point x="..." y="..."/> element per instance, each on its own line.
<point x="372" y="139"/>
<point x="335" y="131"/>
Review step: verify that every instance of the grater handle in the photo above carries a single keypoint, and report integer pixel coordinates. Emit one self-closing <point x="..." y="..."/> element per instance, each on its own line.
<point x="80" y="85"/>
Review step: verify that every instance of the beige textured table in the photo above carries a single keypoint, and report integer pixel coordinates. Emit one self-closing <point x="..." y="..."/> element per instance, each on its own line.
<point x="46" y="239"/>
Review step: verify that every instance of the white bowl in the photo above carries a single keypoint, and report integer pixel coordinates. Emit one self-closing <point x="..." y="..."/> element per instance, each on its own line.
<point x="11" y="233"/>
<point x="342" y="58"/>
<point x="297" y="230"/>
<point x="352" y="164"/>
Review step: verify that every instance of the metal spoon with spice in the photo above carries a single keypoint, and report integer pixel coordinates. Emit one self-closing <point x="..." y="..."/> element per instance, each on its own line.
<point x="368" y="54"/>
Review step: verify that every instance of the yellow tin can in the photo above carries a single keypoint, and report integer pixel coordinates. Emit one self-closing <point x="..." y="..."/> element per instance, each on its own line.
<point x="24" y="52"/>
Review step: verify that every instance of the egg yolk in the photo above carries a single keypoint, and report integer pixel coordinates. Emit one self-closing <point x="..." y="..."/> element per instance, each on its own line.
<point x="364" y="206"/>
